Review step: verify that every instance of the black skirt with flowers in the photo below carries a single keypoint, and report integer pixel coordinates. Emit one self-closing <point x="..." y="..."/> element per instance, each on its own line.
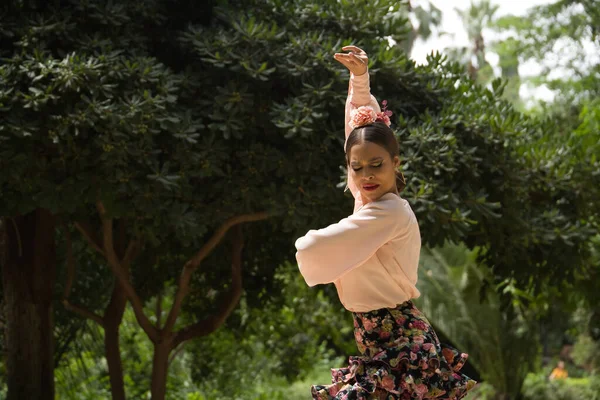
<point x="401" y="358"/>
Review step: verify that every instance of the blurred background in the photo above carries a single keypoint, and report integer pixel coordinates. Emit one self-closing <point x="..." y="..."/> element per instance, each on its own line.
<point x="158" y="158"/>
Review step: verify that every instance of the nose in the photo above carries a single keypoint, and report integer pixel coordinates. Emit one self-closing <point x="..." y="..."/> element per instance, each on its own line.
<point x="367" y="174"/>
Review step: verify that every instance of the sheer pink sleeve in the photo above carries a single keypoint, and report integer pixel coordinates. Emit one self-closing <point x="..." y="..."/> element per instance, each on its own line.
<point x="324" y="255"/>
<point x="359" y="94"/>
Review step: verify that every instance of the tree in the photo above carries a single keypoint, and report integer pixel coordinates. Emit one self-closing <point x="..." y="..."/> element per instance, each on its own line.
<point x="565" y="27"/>
<point x="110" y="319"/>
<point x="28" y="272"/>
<point x="501" y="342"/>
<point x="475" y="19"/>
<point x="152" y="130"/>
<point x="111" y="138"/>
<point x="562" y="38"/>
<point x="427" y="18"/>
<point x="508" y="61"/>
<point x="276" y="345"/>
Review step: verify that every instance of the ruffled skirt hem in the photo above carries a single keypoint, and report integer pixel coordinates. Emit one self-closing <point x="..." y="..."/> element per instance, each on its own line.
<point x="402" y="359"/>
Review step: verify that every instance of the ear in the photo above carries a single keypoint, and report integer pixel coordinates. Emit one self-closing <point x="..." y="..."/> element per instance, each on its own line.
<point x="396" y="161"/>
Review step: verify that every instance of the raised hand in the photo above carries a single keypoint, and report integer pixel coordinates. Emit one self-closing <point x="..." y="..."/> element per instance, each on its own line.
<point x="355" y="60"/>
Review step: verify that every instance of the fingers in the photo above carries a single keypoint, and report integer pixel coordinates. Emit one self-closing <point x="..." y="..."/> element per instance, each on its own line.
<point x="356" y="59"/>
<point x="343" y="58"/>
<point x="349" y="58"/>
<point x="354" y="49"/>
<point x="346" y="61"/>
<point x="355" y="54"/>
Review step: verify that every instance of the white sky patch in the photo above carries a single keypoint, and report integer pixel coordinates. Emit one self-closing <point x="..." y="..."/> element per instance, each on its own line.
<point x="453" y="34"/>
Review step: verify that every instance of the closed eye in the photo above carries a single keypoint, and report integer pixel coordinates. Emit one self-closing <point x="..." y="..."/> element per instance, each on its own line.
<point x="372" y="166"/>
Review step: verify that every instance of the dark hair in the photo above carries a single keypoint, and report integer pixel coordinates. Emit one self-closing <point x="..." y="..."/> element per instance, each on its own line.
<point x="382" y="135"/>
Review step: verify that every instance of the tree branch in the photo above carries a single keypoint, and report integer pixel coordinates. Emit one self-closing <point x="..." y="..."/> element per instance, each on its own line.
<point x="175" y="353"/>
<point x="17" y="235"/>
<point x="122" y="276"/>
<point x="158" y="309"/>
<point x="182" y="290"/>
<point x="2" y="318"/>
<point x="218" y="236"/>
<point x="210" y="324"/>
<point x="88" y="233"/>
<point x="130" y="253"/>
<point x="70" y="264"/>
<point x="83" y="312"/>
<point x="194" y="262"/>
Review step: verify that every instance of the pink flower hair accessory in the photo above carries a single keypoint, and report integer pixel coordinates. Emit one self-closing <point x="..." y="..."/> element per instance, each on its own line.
<point x="365" y="115"/>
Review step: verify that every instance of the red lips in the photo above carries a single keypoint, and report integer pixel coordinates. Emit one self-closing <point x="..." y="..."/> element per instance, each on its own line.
<point x="370" y="187"/>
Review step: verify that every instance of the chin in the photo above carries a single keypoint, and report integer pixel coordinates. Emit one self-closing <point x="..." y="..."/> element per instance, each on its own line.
<point x="372" y="196"/>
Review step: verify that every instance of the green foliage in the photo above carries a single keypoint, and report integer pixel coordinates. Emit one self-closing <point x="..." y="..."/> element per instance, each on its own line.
<point x="240" y="115"/>
<point x="501" y="342"/>
<point x="177" y="122"/>
<point x="477" y="17"/>
<point x="561" y="36"/>
<point x="83" y="375"/>
<point x="247" y="108"/>
<point x="473" y="56"/>
<point x="432" y="17"/>
<point x="428" y="18"/>
<point x="482" y="391"/>
<point x="273" y="353"/>
<point x="281" y="343"/>
<point x="586" y="352"/>
<point x="274" y="388"/>
<point x="538" y="387"/>
<point x="590" y="125"/>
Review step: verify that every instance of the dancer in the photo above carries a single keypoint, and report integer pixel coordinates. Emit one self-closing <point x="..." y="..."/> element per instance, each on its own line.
<point x="372" y="258"/>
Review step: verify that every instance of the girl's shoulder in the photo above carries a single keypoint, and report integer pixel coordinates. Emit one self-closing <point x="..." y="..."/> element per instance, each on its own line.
<point x="397" y="207"/>
<point x="390" y="201"/>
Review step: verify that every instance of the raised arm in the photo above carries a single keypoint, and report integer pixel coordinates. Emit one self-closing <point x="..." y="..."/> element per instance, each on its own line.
<point x="359" y="94"/>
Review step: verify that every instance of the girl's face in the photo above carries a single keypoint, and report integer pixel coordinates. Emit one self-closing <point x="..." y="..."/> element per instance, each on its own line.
<point x="373" y="170"/>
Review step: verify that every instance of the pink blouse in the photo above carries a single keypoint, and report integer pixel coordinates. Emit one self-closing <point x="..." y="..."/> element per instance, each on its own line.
<point x="371" y="256"/>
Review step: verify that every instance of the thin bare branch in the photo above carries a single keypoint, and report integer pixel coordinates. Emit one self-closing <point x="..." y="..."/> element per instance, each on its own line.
<point x="85" y="313"/>
<point x="210" y="324"/>
<point x="158" y="309"/>
<point x="177" y="351"/>
<point x="182" y="290"/>
<point x="89" y="235"/>
<point x="194" y="262"/>
<point x="18" y="236"/>
<point x="130" y="254"/>
<point x="218" y="236"/>
<point x="122" y="275"/>
<point x="81" y="311"/>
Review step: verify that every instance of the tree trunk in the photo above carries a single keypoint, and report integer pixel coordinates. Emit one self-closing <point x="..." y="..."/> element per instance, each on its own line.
<point x="113" y="316"/>
<point x="160" y="364"/>
<point x="28" y="275"/>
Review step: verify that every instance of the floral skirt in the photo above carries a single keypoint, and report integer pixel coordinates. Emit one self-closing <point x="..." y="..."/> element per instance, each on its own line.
<point x="402" y="358"/>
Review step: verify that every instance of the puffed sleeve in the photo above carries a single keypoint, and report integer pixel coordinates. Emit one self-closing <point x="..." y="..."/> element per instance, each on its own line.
<point x="359" y="94"/>
<point x="324" y="255"/>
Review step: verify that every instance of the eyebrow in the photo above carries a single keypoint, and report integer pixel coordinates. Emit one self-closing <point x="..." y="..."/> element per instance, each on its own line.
<point x="371" y="160"/>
